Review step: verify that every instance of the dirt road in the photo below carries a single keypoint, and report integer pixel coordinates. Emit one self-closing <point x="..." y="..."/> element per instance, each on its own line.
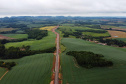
<point x="56" y="81"/>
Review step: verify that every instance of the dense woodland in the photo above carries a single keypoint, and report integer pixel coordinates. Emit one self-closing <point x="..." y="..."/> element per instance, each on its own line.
<point x="36" y="33"/>
<point x="7" y="65"/>
<point x="89" y="59"/>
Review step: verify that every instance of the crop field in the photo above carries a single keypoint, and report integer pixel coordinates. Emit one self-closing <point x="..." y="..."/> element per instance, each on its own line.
<point x="74" y="74"/>
<point x="117" y="34"/>
<point x="75" y="27"/>
<point x="96" y="34"/>
<point x="16" y="36"/>
<point x="2" y="71"/>
<point x="35" y="69"/>
<point x="6" y="29"/>
<point x="49" y="28"/>
<point x="45" y="43"/>
<point x="122" y="39"/>
<point x="108" y="26"/>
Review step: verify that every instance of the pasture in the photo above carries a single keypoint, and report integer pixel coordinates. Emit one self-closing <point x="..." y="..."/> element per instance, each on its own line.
<point x="74" y="74"/>
<point x="16" y="36"/>
<point x="117" y="34"/>
<point x="34" y="69"/>
<point x="49" y="28"/>
<point x="45" y="43"/>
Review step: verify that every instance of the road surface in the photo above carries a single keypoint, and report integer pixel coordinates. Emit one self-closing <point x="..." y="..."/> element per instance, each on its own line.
<point x="56" y="81"/>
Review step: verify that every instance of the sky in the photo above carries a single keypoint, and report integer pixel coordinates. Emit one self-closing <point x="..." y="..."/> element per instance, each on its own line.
<point x="62" y="8"/>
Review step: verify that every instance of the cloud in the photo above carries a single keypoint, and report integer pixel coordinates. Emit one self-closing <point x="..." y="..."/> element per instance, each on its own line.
<point x="62" y="7"/>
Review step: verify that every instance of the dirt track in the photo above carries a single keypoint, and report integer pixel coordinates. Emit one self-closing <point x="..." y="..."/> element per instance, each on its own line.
<point x="56" y="80"/>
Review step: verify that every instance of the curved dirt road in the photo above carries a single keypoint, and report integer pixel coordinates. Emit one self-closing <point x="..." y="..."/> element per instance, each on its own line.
<point x="56" y="81"/>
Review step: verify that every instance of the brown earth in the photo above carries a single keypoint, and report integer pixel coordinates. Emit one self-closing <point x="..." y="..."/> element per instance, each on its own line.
<point x="5" y="37"/>
<point x="117" y="34"/>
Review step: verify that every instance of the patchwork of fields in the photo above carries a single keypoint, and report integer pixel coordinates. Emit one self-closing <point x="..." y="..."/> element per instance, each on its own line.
<point x="49" y="28"/>
<point x="6" y="29"/>
<point x="16" y="36"/>
<point x="74" y="74"/>
<point x="34" y="69"/>
<point x="45" y="43"/>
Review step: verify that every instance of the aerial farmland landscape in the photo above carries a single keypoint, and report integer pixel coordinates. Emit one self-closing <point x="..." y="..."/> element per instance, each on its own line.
<point x="62" y="42"/>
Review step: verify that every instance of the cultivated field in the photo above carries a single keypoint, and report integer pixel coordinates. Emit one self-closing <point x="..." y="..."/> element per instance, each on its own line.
<point x="16" y="36"/>
<point x="6" y="29"/>
<point x="74" y="74"/>
<point x="96" y="34"/>
<point x="117" y="34"/>
<point x="122" y="39"/>
<point x="45" y="43"/>
<point x="2" y="71"/>
<point x="49" y="28"/>
<point x="34" y="69"/>
<point x="5" y="37"/>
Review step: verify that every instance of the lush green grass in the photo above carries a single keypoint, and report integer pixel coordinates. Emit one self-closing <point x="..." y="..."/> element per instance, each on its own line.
<point x="2" y="71"/>
<point x="45" y="43"/>
<point x="74" y="74"/>
<point x="16" y="36"/>
<point x="122" y="39"/>
<point x="35" y="69"/>
<point x="96" y="34"/>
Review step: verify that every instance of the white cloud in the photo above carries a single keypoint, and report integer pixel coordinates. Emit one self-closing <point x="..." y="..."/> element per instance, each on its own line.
<point x="62" y="7"/>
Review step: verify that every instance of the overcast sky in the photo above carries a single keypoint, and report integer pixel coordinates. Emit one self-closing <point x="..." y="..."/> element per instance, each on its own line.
<point x="63" y="7"/>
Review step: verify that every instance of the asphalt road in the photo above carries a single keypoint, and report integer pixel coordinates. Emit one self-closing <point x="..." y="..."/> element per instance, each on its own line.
<point x="56" y="81"/>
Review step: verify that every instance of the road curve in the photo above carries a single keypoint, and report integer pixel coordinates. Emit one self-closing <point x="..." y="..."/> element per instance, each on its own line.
<point x="56" y="81"/>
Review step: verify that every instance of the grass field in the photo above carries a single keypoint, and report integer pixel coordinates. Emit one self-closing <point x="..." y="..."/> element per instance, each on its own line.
<point x="45" y="43"/>
<point x="122" y="39"/>
<point x="2" y="71"/>
<point x="35" y="69"/>
<point x="49" y="28"/>
<point x="6" y="29"/>
<point x="117" y="34"/>
<point x="96" y="34"/>
<point x="16" y="36"/>
<point x="74" y="74"/>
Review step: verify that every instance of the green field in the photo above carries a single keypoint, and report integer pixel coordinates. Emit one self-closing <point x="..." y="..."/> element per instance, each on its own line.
<point x="16" y="36"/>
<point x="122" y="39"/>
<point x="71" y="29"/>
<point x="45" y="43"/>
<point x="74" y="74"/>
<point x="96" y="34"/>
<point x="34" y="69"/>
<point x="2" y="71"/>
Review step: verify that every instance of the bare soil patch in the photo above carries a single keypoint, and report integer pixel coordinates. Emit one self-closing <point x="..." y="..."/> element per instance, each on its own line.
<point x="4" y="37"/>
<point x="117" y="34"/>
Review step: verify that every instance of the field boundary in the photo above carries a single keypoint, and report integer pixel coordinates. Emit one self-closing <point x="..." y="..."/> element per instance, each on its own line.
<point x="3" y="74"/>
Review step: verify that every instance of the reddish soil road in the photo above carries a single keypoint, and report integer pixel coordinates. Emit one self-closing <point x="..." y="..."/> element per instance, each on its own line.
<point x="56" y="81"/>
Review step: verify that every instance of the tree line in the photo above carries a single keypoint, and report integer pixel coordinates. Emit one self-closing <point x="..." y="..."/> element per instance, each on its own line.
<point x="113" y="42"/>
<point x="89" y="59"/>
<point x="18" y="52"/>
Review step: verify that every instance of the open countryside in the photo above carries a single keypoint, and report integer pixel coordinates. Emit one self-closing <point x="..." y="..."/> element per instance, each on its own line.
<point x="42" y="48"/>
